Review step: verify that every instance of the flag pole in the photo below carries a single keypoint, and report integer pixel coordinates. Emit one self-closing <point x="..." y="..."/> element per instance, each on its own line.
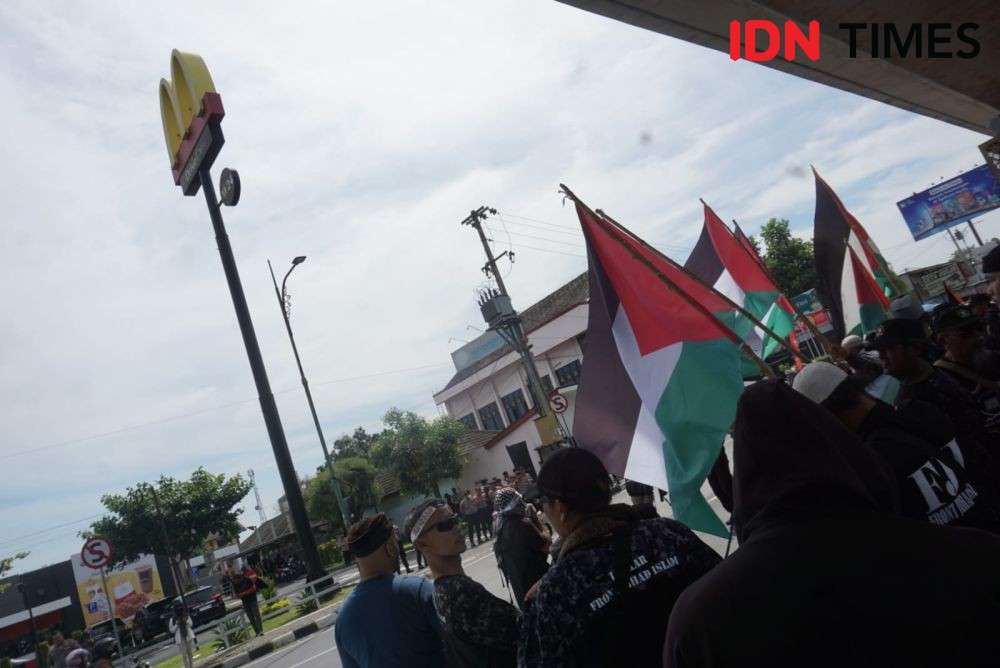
<point x="673" y="287"/>
<point x="798" y="312"/>
<point x="749" y="316"/>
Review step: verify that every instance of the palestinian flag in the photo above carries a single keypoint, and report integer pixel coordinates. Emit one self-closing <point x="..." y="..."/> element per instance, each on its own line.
<point x="844" y="256"/>
<point x="662" y="374"/>
<point x="733" y="268"/>
<point x="864" y="246"/>
<point x="780" y="318"/>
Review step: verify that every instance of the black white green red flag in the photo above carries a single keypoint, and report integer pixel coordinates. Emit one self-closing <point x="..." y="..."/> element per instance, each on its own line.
<point x="854" y="279"/>
<point x="721" y="260"/>
<point x="662" y="374"/>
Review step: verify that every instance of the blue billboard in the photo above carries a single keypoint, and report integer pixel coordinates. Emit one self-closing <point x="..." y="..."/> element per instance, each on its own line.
<point x="950" y="203"/>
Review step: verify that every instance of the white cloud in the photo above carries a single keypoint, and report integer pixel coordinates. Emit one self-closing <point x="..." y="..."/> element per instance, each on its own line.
<point x="364" y="132"/>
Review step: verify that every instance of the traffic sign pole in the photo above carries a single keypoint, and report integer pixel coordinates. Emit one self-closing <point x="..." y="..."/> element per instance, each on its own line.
<point x="559" y="405"/>
<point x="111" y="606"/>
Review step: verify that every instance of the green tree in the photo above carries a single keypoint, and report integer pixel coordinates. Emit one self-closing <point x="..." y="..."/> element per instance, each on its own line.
<point x="357" y="484"/>
<point x="419" y="451"/>
<point x="358" y="444"/>
<point x="789" y="258"/>
<point x="192" y="510"/>
<point x="7" y="563"/>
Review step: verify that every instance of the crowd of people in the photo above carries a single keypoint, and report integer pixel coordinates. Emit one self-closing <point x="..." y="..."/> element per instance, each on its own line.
<point x="865" y="499"/>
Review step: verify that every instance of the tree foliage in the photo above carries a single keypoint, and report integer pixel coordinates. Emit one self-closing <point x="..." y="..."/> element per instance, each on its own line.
<point x="7" y="563"/>
<point x="789" y="258"/>
<point x="191" y="509"/>
<point x="357" y="484"/>
<point x="419" y="451"/>
<point x="358" y="444"/>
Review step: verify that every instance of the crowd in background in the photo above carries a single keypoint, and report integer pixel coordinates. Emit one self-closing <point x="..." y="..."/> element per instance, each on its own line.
<point x="864" y="496"/>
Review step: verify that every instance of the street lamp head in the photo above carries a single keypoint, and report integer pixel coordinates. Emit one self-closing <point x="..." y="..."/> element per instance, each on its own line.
<point x="298" y="260"/>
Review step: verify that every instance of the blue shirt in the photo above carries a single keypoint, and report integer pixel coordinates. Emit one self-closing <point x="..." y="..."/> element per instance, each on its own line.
<point x="389" y="621"/>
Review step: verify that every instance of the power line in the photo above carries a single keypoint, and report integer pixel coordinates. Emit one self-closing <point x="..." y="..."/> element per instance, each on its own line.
<point x="533" y="236"/>
<point x="142" y="425"/>
<point x="575" y="233"/>
<point x="7" y="541"/>
<point x="548" y="250"/>
<point x="536" y="220"/>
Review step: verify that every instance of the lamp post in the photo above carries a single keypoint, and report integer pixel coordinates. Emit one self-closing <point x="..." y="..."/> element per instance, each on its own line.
<point x="31" y="614"/>
<point x="283" y="303"/>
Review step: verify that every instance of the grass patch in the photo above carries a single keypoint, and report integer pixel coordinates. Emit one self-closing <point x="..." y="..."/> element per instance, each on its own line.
<point x="291" y="614"/>
<point x="280" y="620"/>
<point x="176" y="661"/>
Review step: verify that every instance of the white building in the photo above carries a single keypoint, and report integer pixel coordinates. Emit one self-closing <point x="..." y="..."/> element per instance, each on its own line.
<point x="489" y="390"/>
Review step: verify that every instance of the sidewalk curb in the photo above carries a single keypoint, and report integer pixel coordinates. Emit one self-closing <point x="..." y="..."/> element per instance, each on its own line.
<point x="280" y="641"/>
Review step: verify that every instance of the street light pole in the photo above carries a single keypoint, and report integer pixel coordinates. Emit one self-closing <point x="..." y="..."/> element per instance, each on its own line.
<point x="31" y="614"/>
<point x="283" y="303"/>
<point x="283" y="458"/>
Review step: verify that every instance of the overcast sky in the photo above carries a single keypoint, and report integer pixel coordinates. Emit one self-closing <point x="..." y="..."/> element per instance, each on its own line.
<point x="363" y="132"/>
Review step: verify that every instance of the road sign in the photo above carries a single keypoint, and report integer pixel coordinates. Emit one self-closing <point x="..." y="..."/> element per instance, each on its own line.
<point x="557" y="402"/>
<point x="96" y="552"/>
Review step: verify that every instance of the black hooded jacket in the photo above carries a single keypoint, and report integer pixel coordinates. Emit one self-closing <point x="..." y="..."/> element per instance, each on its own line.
<point x="825" y="576"/>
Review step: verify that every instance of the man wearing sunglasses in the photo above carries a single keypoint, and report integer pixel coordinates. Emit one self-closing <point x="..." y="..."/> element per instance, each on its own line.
<point x="479" y="629"/>
<point x="960" y="331"/>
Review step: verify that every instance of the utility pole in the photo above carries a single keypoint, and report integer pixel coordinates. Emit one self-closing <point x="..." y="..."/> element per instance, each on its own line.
<point x="501" y="316"/>
<point x="975" y="232"/>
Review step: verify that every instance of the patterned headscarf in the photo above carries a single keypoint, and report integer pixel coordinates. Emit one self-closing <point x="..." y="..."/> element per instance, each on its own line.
<point x="508" y="500"/>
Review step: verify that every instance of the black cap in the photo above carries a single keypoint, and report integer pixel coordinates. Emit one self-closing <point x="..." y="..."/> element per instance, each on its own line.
<point x="576" y="476"/>
<point x="952" y="316"/>
<point x="979" y="298"/>
<point x="368" y="534"/>
<point x="898" y="330"/>
<point x="633" y="488"/>
<point x="991" y="261"/>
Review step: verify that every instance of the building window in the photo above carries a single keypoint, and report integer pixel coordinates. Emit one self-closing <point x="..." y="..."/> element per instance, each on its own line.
<point x="514" y="405"/>
<point x="469" y="421"/>
<point x="489" y="415"/>
<point x="568" y="374"/>
<point x="547" y="384"/>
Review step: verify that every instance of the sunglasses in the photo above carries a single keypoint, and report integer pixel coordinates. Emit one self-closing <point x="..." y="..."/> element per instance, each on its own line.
<point x="445" y="525"/>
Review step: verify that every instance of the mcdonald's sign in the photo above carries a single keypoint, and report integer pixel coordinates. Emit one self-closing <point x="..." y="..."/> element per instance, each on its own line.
<point x="192" y="114"/>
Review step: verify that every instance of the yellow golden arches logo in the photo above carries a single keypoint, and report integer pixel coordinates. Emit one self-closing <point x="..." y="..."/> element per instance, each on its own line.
<point x="181" y="97"/>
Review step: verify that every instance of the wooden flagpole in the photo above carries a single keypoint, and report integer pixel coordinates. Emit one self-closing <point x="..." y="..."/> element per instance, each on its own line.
<point x="673" y="287"/>
<point x="702" y="283"/>
<point x="798" y="312"/>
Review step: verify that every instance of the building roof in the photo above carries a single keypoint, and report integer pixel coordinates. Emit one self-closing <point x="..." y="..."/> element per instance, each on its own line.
<point x="548" y="308"/>
<point x="468" y="442"/>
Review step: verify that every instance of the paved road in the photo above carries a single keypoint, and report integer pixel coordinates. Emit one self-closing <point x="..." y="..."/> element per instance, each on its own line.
<point x="319" y="649"/>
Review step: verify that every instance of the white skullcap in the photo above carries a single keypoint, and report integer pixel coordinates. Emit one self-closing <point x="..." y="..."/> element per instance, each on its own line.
<point x="818" y="380"/>
<point x="851" y="342"/>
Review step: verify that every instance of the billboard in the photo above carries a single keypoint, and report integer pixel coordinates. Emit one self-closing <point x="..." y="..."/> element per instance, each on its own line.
<point x="132" y="586"/>
<point x="950" y="203"/>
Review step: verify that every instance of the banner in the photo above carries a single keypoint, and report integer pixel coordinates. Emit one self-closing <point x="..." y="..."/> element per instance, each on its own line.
<point x="131" y="586"/>
<point x="951" y="203"/>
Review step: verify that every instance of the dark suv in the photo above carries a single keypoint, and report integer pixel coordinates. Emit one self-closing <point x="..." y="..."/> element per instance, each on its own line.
<point x="153" y="620"/>
<point x="205" y="605"/>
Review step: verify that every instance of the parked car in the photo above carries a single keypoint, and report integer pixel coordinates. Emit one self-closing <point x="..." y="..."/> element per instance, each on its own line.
<point x="104" y="634"/>
<point x="153" y="620"/>
<point x="205" y="605"/>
